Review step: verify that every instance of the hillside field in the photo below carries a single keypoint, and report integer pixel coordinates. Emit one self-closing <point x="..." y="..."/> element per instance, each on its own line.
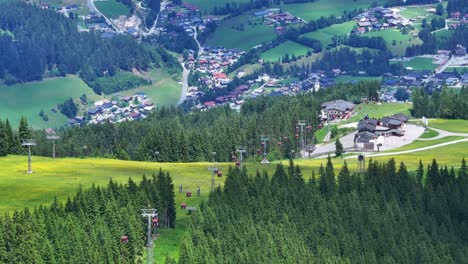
<point x="164" y="90"/>
<point x="419" y="63"/>
<point x="315" y="10"/>
<point x="28" y="99"/>
<point x="229" y="35"/>
<point x="401" y="40"/>
<point x="379" y="110"/>
<point x="325" y="34"/>
<point x="112" y="9"/>
<point x="288" y="47"/>
<point x="206" y="6"/>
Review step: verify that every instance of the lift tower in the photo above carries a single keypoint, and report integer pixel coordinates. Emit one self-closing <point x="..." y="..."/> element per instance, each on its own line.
<point x="214" y="169"/>
<point x="241" y="150"/>
<point x="29" y="143"/>
<point x="150" y="213"/>
<point x="53" y="137"/>
<point x="264" y="140"/>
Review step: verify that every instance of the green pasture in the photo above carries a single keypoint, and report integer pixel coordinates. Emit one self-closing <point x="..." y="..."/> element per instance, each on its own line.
<point x="419" y="63"/>
<point x="288" y="47"/>
<point x="315" y="10"/>
<point x="451" y="125"/>
<point x="229" y="32"/>
<point x="375" y="110"/>
<point x="163" y="91"/>
<point x="28" y="99"/>
<point x="206" y="6"/>
<point x="325" y="34"/>
<point x="112" y="9"/>
<point x="413" y="12"/>
<point x="460" y="70"/>
<point x="348" y="78"/>
<point x="401" y="40"/>
<point x="429" y="133"/>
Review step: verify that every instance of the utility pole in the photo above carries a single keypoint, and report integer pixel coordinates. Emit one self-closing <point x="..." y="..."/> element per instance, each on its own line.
<point x="302" y="123"/>
<point x="149" y="213"/>
<point x="291" y="152"/>
<point x="241" y="150"/>
<point x="156" y="154"/>
<point x="29" y="143"/>
<point x="264" y="140"/>
<point x="53" y="137"/>
<point x="213" y="168"/>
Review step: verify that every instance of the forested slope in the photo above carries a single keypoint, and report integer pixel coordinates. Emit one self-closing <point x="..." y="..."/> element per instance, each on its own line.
<point x="383" y="216"/>
<point x="42" y="41"/>
<point x="90" y="226"/>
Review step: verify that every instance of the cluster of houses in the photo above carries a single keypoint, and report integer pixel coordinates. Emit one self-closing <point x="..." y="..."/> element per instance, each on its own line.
<point x="186" y="16"/>
<point x="213" y="64"/>
<point x="130" y="25"/>
<point x="278" y="19"/>
<point x="120" y="109"/>
<point x="371" y="131"/>
<point x="378" y="18"/>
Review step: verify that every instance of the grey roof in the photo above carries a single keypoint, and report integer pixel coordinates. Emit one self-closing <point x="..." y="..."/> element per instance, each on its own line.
<point x="364" y="137"/>
<point x="401" y="117"/>
<point x="391" y="121"/>
<point x="340" y="105"/>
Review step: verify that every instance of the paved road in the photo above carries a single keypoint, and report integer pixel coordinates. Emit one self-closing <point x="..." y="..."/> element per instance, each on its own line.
<point x="413" y="150"/>
<point x="443" y="133"/>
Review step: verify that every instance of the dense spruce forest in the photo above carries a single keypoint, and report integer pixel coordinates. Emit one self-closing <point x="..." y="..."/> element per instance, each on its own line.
<point x="88" y="228"/>
<point x="181" y="136"/>
<point x="41" y="43"/>
<point x="442" y="104"/>
<point x="385" y="215"/>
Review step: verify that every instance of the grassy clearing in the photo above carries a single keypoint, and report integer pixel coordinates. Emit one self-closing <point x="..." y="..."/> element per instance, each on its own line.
<point x="29" y="98"/>
<point x="112" y="9"/>
<point x="419" y="64"/>
<point x="247" y="68"/>
<point x="401" y="40"/>
<point x="254" y="32"/>
<point x="164" y="90"/>
<point x="451" y="125"/>
<point x="460" y="70"/>
<point x="347" y="78"/>
<point x="288" y="47"/>
<point x="325" y="34"/>
<point x="206" y="6"/>
<point x="429" y="133"/>
<point x="379" y="110"/>
<point x="315" y="10"/>
<point x="413" y="12"/>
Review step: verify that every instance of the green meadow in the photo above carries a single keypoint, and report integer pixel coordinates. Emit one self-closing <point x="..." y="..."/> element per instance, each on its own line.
<point x="419" y="63"/>
<point x="325" y="34"/>
<point x="456" y="125"/>
<point x="288" y="47"/>
<point x="347" y="78"/>
<point x="379" y="110"/>
<point x="112" y="9"/>
<point x="30" y="98"/>
<point x="315" y="10"/>
<point x="394" y="36"/>
<point x="163" y="91"/>
<point x="244" y="32"/>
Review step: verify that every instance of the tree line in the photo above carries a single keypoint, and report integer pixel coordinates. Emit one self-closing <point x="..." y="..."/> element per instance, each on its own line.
<point x="443" y="103"/>
<point x="384" y="215"/>
<point x="45" y="43"/>
<point x="98" y="225"/>
<point x="180" y="136"/>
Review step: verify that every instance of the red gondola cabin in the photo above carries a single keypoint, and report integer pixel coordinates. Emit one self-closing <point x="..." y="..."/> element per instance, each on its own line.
<point x="124" y="239"/>
<point x="188" y="194"/>
<point x="183" y="206"/>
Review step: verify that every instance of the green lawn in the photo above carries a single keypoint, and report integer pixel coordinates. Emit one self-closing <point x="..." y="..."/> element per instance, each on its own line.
<point x="401" y="40"/>
<point x="325" y="34"/>
<point x="112" y="9"/>
<point x="164" y="90"/>
<point x="451" y="125"/>
<point x="379" y="110"/>
<point x="347" y="78"/>
<point x="413" y="12"/>
<point x="315" y="10"/>
<point x="429" y="133"/>
<point x="460" y="70"/>
<point x="419" y="63"/>
<point x="254" y="32"/>
<point x="206" y="6"/>
<point x="28" y="100"/>
<point x="288" y="47"/>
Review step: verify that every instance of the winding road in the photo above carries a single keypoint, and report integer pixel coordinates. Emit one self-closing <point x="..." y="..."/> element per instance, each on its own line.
<point x="186" y="72"/>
